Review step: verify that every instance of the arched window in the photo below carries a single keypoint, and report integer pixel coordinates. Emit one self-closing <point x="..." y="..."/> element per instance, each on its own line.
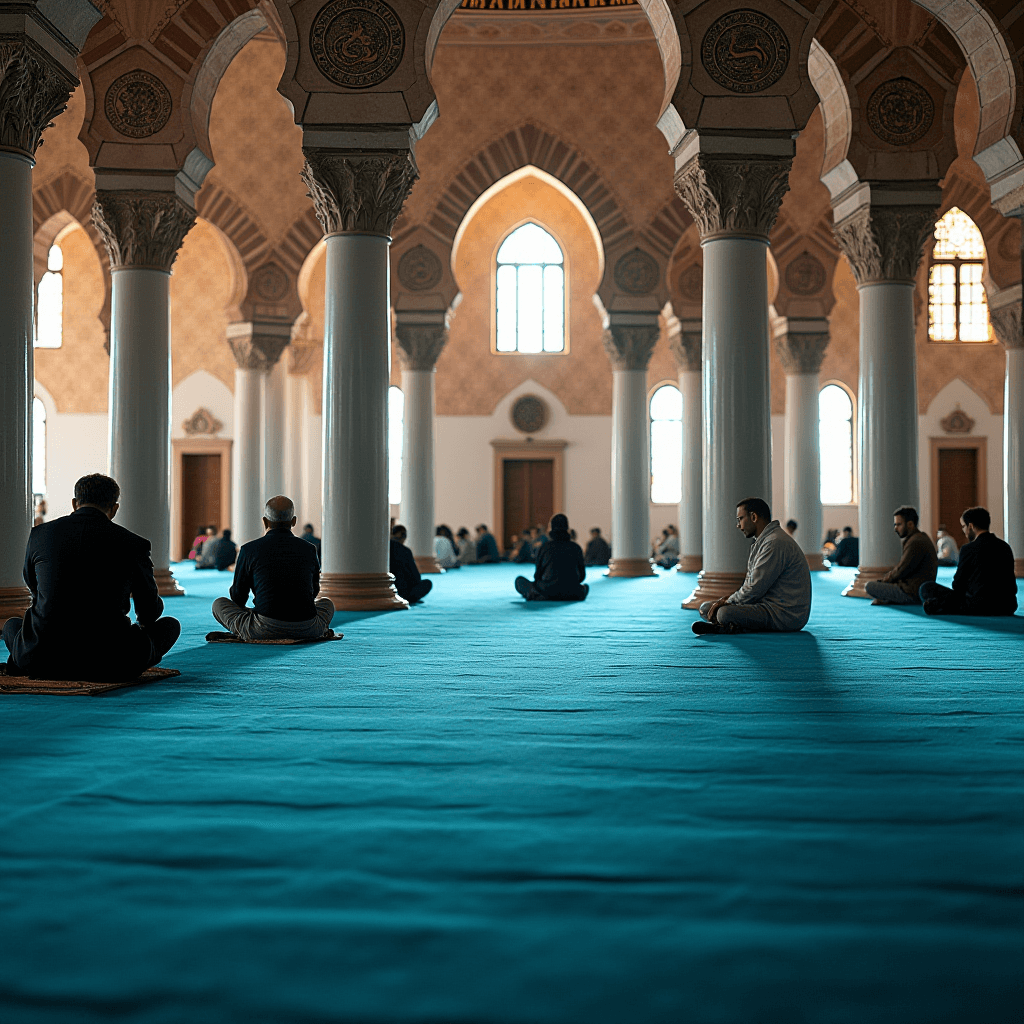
<point x="38" y="448"/>
<point x="396" y="417"/>
<point x="530" y="293"/>
<point x="957" y="310"/>
<point x="50" y="302"/>
<point x="835" y="431"/>
<point x="667" y="445"/>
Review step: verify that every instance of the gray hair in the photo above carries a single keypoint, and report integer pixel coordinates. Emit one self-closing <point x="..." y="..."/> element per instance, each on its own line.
<point x="279" y="514"/>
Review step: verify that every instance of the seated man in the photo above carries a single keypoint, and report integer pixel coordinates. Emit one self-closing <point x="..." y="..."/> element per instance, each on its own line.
<point x="984" y="583"/>
<point x="83" y="569"/>
<point x="847" y="551"/>
<point x="560" y="570"/>
<point x="225" y="552"/>
<point x="776" y="595"/>
<point x="523" y="550"/>
<point x="486" y="546"/>
<point x="310" y="537"/>
<point x="283" y="573"/>
<point x="408" y="581"/>
<point x="946" y="547"/>
<point x="919" y="563"/>
<point x="667" y="553"/>
<point x="598" y="550"/>
<point x="466" y="547"/>
<point x="206" y="556"/>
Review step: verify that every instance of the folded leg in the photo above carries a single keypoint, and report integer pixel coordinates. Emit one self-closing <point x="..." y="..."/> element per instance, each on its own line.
<point x="889" y="593"/>
<point x="745" y="618"/>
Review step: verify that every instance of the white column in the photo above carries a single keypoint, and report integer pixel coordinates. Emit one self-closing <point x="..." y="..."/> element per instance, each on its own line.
<point x="418" y="466"/>
<point x="16" y="383"/>
<point x="295" y="411"/>
<point x="312" y="462"/>
<point x="685" y="343"/>
<point x="247" y="498"/>
<point x="273" y="430"/>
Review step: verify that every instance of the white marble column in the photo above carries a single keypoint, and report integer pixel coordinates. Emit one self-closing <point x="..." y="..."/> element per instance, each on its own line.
<point x="734" y="199"/>
<point x="142" y="231"/>
<point x="295" y="412"/>
<point x="421" y="337"/>
<point x="685" y="343"/>
<point x="801" y="345"/>
<point x="629" y="340"/>
<point x="882" y="238"/>
<point x="273" y="433"/>
<point x="357" y="196"/>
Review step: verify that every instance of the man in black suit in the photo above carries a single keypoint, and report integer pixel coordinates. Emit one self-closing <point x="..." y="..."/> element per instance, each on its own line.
<point x="847" y="551"/>
<point x="83" y="569"/>
<point x="984" y="583"/>
<point x="408" y="581"/>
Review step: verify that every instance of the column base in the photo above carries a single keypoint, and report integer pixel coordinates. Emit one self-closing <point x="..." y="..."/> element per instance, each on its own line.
<point x="630" y="567"/>
<point x="690" y="563"/>
<point x="1018" y="568"/>
<point x="713" y="585"/>
<point x="167" y="585"/>
<point x="361" y="592"/>
<point x="865" y="574"/>
<point x="14" y="602"/>
<point x="816" y="563"/>
<point x="427" y="565"/>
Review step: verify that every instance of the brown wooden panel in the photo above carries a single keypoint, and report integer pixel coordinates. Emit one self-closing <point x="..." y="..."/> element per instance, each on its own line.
<point x="542" y="492"/>
<point x="200" y="496"/>
<point x="958" y="487"/>
<point x="517" y="499"/>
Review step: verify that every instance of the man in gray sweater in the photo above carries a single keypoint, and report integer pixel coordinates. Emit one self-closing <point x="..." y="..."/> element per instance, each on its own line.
<point x="918" y="564"/>
<point x="776" y="595"/>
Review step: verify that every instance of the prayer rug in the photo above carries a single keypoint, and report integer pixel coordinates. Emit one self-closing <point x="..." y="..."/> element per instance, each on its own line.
<point x="217" y="637"/>
<point x="77" y="687"/>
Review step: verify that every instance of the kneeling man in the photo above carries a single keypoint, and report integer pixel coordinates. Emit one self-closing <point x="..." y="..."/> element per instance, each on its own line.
<point x="84" y="570"/>
<point x="776" y="595"/>
<point x="283" y="573"/>
<point x="560" y="570"/>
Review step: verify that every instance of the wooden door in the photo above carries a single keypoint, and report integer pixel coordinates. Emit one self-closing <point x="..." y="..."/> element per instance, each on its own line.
<point x="529" y="495"/>
<point x="958" y="487"/>
<point x="200" y="497"/>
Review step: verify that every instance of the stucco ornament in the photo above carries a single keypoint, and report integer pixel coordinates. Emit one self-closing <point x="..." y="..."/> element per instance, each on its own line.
<point x="33" y="91"/>
<point x="257" y="351"/>
<point x="885" y="243"/>
<point x="529" y="414"/>
<point x="745" y="51"/>
<point x="419" y="345"/>
<point x="805" y="275"/>
<point x="419" y="269"/>
<point x="202" y="421"/>
<point x="630" y="348"/>
<point x="1006" y="324"/>
<point x="357" y="43"/>
<point x="691" y="283"/>
<point x="801" y="353"/>
<point x="957" y="422"/>
<point x="900" y="112"/>
<point x="636" y="273"/>
<point x="141" y="229"/>
<point x="270" y="282"/>
<point x="686" y="348"/>
<point x="137" y="104"/>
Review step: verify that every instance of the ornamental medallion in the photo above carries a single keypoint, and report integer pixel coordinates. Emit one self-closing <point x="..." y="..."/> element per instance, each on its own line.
<point x="900" y="112"/>
<point x="745" y="51"/>
<point x="805" y="275"/>
<point x="270" y="282"/>
<point x="419" y="269"/>
<point x="357" y="43"/>
<point x="636" y="273"/>
<point x="691" y="283"/>
<point x="529" y="414"/>
<point x="137" y="105"/>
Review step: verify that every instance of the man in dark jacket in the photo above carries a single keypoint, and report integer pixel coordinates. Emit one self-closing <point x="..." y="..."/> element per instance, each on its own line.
<point x="486" y="546"/>
<point x="83" y="571"/>
<point x="560" y="568"/>
<point x="283" y="574"/>
<point x="408" y="581"/>
<point x="984" y="583"/>
<point x="847" y="551"/>
<point x="225" y="553"/>
<point x="918" y="564"/>
<point x="599" y="551"/>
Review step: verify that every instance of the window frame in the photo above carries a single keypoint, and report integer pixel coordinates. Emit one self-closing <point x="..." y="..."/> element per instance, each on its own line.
<point x="956" y="262"/>
<point x="667" y="382"/>
<point x="565" y="291"/>
<point x="55" y="244"/>
<point x="854" y="445"/>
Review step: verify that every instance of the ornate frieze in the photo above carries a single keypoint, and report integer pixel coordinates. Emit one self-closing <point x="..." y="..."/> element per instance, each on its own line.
<point x="137" y="104"/>
<point x="900" y="112"/>
<point x="419" y="345"/>
<point x="358" y="191"/>
<point x="269" y="282"/>
<point x="885" y="243"/>
<point x="686" y="348"/>
<point x="733" y="195"/>
<point x="957" y="422"/>
<point x="1006" y="323"/>
<point x="630" y="347"/>
<point x="420" y="269"/>
<point x="33" y="91"/>
<point x="141" y="229"/>
<point x="691" y="283"/>
<point x="257" y="351"/>
<point x="357" y="43"/>
<point x="745" y="51"/>
<point x="801" y="353"/>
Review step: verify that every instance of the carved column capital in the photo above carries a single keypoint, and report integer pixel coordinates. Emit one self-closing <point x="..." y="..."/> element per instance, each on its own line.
<point x="358" y="191"/>
<point x="801" y="353"/>
<point x="885" y="243"/>
<point x="257" y="346"/>
<point x="1006" y="323"/>
<point x="687" y="349"/>
<point x="419" y="345"/>
<point x="733" y="195"/>
<point x="33" y="91"/>
<point x="629" y="347"/>
<point x="141" y="229"/>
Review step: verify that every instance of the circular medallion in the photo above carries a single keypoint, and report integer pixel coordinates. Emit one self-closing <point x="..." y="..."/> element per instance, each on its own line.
<point x="357" y="43"/>
<point x="805" y="275"/>
<point x="529" y="414"/>
<point x="419" y="269"/>
<point x="137" y="105"/>
<point x="900" y="112"/>
<point x="745" y="51"/>
<point x="270" y="282"/>
<point x="636" y="273"/>
<point x="691" y="284"/>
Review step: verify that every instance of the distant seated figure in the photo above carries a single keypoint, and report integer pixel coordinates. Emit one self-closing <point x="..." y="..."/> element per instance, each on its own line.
<point x="408" y="581"/>
<point x="466" y="547"/>
<point x="225" y="552"/>
<point x="538" y="538"/>
<point x="984" y="583"/>
<point x="40" y="516"/>
<point x="84" y="571"/>
<point x="776" y="595"/>
<point x="310" y="537"/>
<point x="560" y="569"/>
<point x="283" y="574"/>
<point x="946" y="547"/>
<point x="197" y="543"/>
<point x="206" y="557"/>
<point x="791" y="527"/>
<point x="847" y="550"/>
<point x="918" y="564"/>
<point x="599" y="552"/>
<point x="667" y="554"/>
<point x="486" y="546"/>
<point x="523" y="551"/>
<point x="444" y="550"/>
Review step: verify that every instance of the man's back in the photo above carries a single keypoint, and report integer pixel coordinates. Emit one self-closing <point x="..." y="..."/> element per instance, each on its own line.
<point x="984" y="577"/>
<point x="560" y="568"/>
<point x="283" y="574"/>
<point x="847" y="552"/>
<point x="598" y="552"/>
<point x="403" y="566"/>
<point x="224" y="553"/>
<point x="487" y="548"/>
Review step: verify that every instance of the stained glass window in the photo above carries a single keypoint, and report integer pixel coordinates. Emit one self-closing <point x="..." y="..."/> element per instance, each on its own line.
<point x="530" y="293"/>
<point x="396" y="422"/>
<point x="835" y="434"/>
<point x="957" y="310"/>
<point x="50" y="302"/>
<point x="667" y="445"/>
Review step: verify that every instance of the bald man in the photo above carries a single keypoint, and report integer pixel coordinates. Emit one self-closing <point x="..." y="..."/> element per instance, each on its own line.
<point x="283" y="573"/>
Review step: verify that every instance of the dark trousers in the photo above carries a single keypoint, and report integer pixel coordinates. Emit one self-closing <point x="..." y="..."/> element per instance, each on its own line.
<point x="416" y="592"/>
<point x="940" y="600"/>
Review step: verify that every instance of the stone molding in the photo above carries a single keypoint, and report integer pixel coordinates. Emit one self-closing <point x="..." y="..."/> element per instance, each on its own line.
<point x="801" y="353"/>
<point x="1006" y="323"/>
<point x="140" y="228"/>
<point x="419" y="345"/>
<point x="302" y="357"/>
<point x="356" y="190"/>
<point x="630" y="347"/>
<point x="687" y="349"/>
<point x="885" y="243"/>
<point x="733" y="195"/>
<point x="33" y="91"/>
<point x="256" y="351"/>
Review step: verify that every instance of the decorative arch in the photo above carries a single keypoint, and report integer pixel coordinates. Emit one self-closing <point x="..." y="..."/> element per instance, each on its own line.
<point x="225" y="211"/>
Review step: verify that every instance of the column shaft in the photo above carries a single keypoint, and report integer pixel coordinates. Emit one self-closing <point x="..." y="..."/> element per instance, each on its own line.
<point x="295" y="409"/>
<point x="273" y="432"/>
<point x="418" y="466"/>
<point x="803" y="464"/>
<point x="691" y="504"/>
<point x="247" y="498"/>
<point x="1013" y="455"/>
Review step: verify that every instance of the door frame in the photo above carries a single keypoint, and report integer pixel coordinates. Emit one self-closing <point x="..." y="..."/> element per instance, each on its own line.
<point x="528" y="448"/>
<point x="981" y="444"/>
<point x="198" y="446"/>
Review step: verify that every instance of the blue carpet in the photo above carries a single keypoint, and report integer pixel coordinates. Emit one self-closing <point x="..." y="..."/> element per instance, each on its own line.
<point x="486" y="811"/>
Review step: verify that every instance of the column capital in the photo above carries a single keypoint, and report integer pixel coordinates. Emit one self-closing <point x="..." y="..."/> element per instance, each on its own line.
<point x="257" y="346"/>
<point x="301" y="357"/>
<point x="419" y="342"/>
<point x="1004" y="309"/>
<point x="358" y="190"/>
<point x="685" y="342"/>
<point x="629" y="340"/>
<point x="801" y="343"/>
<point x="142" y="228"/>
